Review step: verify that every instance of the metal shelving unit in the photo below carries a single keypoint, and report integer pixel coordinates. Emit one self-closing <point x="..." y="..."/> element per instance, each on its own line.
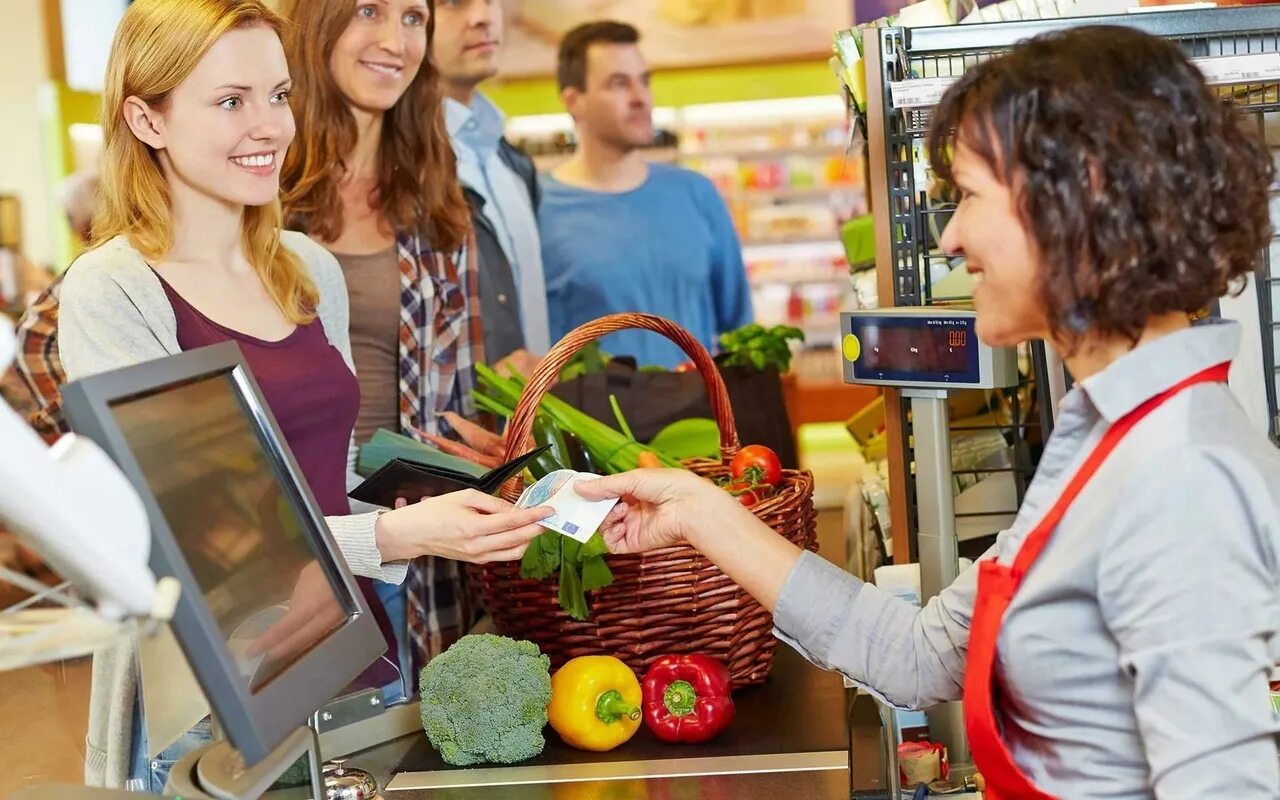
<point x="908" y="69"/>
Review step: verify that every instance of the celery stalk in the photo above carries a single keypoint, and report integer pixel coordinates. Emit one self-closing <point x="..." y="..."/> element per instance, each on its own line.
<point x="613" y="449"/>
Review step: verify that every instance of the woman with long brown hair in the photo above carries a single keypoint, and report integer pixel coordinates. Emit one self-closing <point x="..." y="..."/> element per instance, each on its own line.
<point x="372" y="177"/>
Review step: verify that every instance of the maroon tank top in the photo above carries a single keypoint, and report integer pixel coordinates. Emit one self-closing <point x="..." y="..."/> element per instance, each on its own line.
<point x="314" y="397"/>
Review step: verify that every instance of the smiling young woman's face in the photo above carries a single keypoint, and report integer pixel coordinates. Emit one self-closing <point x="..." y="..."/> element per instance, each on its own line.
<point x="379" y="54"/>
<point x="224" y="130"/>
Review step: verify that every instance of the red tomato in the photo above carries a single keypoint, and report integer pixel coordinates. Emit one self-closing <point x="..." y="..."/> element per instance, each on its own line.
<point x="756" y="463"/>
<point x="745" y="494"/>
<point x="685" y="366"/>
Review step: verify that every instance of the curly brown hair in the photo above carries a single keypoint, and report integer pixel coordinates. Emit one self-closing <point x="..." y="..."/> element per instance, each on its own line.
<point x="1144" y="193"/>
<point x="417" y="175"/>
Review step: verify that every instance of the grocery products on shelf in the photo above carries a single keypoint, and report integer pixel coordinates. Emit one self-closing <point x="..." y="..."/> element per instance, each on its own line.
<point x="808" y="292"/>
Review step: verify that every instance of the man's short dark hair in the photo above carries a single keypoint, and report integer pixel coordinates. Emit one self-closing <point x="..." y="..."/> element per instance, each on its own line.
<point x="571" y="63"/>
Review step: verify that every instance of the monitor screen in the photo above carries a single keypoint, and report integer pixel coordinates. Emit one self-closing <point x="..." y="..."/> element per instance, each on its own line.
<point x="204" y="462"/>
<point x="270" y="619"/>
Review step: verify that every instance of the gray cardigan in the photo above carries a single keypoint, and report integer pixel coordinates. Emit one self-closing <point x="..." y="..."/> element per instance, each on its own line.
<point x="113" y="312"/>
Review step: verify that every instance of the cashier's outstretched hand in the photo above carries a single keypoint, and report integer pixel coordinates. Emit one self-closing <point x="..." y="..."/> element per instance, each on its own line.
<point x="659" y="508"/>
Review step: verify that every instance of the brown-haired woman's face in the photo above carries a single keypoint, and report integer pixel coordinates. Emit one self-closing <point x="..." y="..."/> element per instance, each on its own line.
<point x="379" y="54"/>
<point x="999" y="253"/>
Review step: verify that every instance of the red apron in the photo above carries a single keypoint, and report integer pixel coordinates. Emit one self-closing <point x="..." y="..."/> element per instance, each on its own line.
<point x="996" y="587"/>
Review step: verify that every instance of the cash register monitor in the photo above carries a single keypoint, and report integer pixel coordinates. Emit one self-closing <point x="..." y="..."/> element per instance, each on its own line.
<point x="271" y="620"/>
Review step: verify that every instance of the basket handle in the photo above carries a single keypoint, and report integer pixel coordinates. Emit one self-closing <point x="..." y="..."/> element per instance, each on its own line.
<point x="520" y="429"/>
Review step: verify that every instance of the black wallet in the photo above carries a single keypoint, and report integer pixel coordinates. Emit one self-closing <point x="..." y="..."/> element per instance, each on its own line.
<point x="414" y="480"/>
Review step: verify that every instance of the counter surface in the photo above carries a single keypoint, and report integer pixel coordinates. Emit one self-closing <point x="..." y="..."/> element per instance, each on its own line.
<point x="788" y="734"/>
<point x="809" y="785"/>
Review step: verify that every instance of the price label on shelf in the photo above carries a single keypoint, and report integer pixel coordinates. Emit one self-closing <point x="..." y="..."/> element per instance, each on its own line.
<point x="1248" y="68"/>
<point x="918" y="92"/>
<point x="1217" y="70"/>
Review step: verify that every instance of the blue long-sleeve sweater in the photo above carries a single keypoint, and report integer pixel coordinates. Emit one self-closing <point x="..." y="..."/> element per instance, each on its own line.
<point x="667" y="247"/>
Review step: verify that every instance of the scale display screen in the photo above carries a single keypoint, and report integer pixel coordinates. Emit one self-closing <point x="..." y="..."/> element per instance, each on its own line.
<point x="910" y="349"/>
<point x="934" y="348"/>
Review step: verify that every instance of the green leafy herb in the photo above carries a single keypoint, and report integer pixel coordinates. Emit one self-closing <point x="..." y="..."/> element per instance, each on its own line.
<point x="595" y="546"/>
<point x="590" y="359"/>
<point x="759" y="347"/>
<point x="542" y="558"/>
<point x="573" y="599"/>
<point x="581" y="567"/>
<point x="595" y="574"/>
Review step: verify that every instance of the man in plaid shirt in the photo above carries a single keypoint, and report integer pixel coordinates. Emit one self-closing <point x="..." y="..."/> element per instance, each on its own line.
<point x="37" y="367"/>
<point x="37" y="361"/>
<point x="38" y="364"/>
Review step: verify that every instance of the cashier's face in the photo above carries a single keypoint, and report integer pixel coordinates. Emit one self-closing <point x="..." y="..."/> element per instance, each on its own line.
<point x="999" y="253"/>
<point x="223" y="131"/>
<point x="617" y="105"/>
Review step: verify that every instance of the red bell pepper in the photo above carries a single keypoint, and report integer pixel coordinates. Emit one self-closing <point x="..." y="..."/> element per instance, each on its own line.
<point x="687" y="698"/>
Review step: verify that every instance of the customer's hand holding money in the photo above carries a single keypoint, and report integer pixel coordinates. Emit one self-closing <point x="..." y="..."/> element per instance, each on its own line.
<point x="467" y="525"/>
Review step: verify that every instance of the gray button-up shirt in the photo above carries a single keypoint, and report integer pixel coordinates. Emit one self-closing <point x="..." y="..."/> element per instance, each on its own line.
<point x="1135" y="657"/>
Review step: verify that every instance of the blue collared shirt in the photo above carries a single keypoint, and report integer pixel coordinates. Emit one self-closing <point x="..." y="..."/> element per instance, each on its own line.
<point x="1133" y="661"/>
<point x="475" y="132"/>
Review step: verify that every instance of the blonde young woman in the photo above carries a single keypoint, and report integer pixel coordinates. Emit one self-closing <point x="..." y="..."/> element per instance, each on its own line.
<point x="188" y="252"/>
<point x="372" y="177"/>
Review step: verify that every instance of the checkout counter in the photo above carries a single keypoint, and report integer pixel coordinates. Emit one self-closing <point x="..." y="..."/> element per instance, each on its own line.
<point x="193" y="437"/>
<point x="790" y="735"/>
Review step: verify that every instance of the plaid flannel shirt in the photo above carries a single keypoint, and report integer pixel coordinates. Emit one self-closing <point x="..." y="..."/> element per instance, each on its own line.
<point x="441" y="341"/>
<point x="38" y="363"/>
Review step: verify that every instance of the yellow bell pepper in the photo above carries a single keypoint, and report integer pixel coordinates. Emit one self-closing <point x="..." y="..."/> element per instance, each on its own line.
<point x="595" y="703"/>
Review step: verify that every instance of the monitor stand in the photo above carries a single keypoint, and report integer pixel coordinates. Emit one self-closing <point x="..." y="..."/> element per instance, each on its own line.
<point x="937" y="545"/>
<point x="217" y="772"/>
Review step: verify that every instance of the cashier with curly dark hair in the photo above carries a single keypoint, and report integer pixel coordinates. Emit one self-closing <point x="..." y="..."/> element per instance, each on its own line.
<point x="1117" y="640"/>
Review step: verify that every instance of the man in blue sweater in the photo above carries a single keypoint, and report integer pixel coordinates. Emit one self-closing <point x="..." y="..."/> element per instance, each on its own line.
<point x="621" y="234"/>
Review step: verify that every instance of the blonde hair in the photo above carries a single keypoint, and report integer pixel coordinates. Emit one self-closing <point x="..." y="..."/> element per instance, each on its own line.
<point x="158" y="44"/>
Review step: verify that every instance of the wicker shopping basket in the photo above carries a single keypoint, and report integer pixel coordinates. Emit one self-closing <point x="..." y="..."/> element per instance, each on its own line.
<point x="665" y="601"/>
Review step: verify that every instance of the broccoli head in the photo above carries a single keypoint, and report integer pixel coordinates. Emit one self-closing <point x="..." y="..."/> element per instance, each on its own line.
<point x="485" y="700"/>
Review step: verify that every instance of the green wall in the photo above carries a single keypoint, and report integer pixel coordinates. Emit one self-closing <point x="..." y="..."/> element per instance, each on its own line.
<point x="69" y="108"/>
<point x="685" y="87"/>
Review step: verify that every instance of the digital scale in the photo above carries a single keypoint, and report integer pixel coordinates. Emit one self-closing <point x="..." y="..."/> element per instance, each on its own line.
<point x="929" y="349"/>
<point x="928" y="353"/>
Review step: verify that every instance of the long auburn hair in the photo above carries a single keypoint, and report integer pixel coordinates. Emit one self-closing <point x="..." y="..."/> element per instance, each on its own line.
<point x="417" y="187"/>
<point x="157" y="45"/>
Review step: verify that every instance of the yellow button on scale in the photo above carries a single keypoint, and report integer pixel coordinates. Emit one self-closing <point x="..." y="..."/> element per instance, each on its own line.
<point x="851" y="347"/>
